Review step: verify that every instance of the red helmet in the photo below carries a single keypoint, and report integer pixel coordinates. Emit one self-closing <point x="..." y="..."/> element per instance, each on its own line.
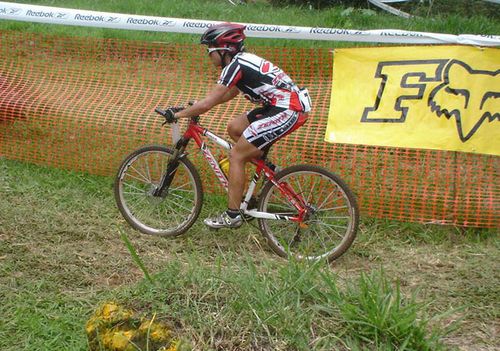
<point x="229" y="36"/>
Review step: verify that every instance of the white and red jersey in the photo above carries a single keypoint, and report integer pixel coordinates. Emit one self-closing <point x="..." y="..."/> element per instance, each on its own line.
<point x="261" y="81"/>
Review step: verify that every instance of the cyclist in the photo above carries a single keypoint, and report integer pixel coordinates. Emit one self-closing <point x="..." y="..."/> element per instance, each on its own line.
<point x="284" y="107"/>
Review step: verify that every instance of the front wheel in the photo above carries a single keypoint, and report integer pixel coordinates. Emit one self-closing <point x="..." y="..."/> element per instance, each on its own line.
<point x="332" y="218"/>
<point x="170" y="214"/>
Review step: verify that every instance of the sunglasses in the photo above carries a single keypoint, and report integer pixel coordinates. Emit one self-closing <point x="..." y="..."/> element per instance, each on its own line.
<point x="210" y="50"/>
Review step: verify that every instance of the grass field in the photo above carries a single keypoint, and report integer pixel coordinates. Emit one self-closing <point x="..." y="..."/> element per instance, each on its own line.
<point x="61" y="256"/>
<point x="401" y="286"/>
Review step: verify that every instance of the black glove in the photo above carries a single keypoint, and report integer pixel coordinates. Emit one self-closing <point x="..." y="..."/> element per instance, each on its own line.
<point x="170" y="114"/>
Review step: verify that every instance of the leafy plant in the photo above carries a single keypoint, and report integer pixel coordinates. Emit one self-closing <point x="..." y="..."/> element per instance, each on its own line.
<point x="376" y="313"/>
<point x="135" y="256"/>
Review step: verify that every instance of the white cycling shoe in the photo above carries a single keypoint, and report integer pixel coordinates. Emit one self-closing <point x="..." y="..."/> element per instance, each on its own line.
<point x="224" y="221"/>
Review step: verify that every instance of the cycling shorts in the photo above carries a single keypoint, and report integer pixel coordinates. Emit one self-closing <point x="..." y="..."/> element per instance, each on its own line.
<point x="268" y="124"/>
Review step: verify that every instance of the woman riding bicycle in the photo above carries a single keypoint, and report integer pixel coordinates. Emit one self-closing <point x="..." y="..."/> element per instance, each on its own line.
<point x="284" y="108"/>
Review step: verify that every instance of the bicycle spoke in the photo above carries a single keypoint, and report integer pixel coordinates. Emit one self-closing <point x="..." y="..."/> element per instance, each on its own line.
<point x="142" y="180"/>
<point x="176" y="196"/>
<point x="280" y="206"/>
<point x="140" y="200"/>
<point x="335" y="217"/>
<point x="180" y="187"/>
<point x="323" y="243"/>
<point x="298" y="186"/>
<point x="309" y="197"/>
<point x="333" y="208"/>
<point x="140" y="210"/>
<point x="175" y="218"/>
<point x="183" y="207"/>
<point x="339" y="198"/>
<point x="134" y="194"/>
<point x="314" y="187"/>
<point x="331" y="227"/>
<point x="145" y="168"/>
<point x="159" y="166"/>
<point x="280" y="199"/>
<point x="133" y="187"/>
<point x="148" y="172"/>
<point x="317" y="237"/>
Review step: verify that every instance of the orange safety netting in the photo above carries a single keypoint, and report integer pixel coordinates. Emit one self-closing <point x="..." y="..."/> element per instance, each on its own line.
<point x="84" y="103"/>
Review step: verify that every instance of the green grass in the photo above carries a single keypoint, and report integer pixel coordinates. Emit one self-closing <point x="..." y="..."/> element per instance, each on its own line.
<point x="61" y="256"/>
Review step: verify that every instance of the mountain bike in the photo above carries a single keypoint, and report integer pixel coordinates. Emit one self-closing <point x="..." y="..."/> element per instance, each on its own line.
<point x="304" y="211"/>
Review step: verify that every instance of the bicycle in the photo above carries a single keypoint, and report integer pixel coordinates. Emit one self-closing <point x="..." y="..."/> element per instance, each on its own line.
<point x="303" y="211"/>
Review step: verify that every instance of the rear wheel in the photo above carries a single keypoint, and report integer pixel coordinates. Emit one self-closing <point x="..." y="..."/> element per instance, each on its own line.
<point x="332" y="218"/>
<point x="139" y="176"/>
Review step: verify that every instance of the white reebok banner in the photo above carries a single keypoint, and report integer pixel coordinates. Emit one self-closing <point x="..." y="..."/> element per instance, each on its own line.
<point x="76" y="17"/>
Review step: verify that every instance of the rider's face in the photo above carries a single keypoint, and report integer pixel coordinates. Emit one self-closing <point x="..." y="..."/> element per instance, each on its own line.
<point x="215" y="57"/>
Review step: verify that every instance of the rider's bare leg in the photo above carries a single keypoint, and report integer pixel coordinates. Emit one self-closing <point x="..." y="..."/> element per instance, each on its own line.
<point x="237" y="125"/>
<point x="241" y="153"/>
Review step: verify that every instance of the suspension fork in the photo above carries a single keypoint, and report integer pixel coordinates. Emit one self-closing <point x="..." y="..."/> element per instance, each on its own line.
<point x="173" y="164"/>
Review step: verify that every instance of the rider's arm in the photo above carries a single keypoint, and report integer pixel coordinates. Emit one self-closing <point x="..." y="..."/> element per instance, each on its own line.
<point x="231" y="94"/>
<point x="219" y="94"/>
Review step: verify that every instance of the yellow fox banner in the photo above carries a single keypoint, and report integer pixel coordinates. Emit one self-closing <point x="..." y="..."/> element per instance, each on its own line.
<point x="426" y="97"/>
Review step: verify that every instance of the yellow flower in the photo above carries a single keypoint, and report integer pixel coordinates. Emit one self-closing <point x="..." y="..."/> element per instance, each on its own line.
<point x="111" y="311"/>
<point x="90" y="327"/>
<point x="121" y="340"/>
<point x="158" y="332"/>
<point x="108" y="310"/>
<point x="159" y="335"/>
<point x="116" y="328"/>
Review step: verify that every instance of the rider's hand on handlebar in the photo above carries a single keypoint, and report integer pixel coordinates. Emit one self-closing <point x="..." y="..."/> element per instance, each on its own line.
<point x="170" y="112"/>
<point x="170" y="115"/>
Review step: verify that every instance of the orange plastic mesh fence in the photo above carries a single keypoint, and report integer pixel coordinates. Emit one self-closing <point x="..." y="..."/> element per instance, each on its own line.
<point x="84" y="103"/>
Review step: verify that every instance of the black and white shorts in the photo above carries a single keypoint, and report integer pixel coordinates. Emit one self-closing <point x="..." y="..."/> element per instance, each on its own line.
<point x="268" y="124"/>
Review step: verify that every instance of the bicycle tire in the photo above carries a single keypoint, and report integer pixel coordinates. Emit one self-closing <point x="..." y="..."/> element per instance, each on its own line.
<point x="139" y="174"/>
<point x="331" y="229"/>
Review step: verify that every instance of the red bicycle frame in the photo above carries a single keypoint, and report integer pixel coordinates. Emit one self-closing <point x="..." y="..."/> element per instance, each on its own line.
<point x="196" y="132"/>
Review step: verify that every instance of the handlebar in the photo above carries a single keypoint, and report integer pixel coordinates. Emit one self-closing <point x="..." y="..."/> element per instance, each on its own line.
<point x="162" y="112"/>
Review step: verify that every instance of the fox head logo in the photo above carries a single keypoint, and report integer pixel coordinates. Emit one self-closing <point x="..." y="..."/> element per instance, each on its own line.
<point x="472" y="97"/>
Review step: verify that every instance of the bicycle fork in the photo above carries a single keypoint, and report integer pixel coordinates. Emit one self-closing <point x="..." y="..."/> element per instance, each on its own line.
<point x="173" y="164"/>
